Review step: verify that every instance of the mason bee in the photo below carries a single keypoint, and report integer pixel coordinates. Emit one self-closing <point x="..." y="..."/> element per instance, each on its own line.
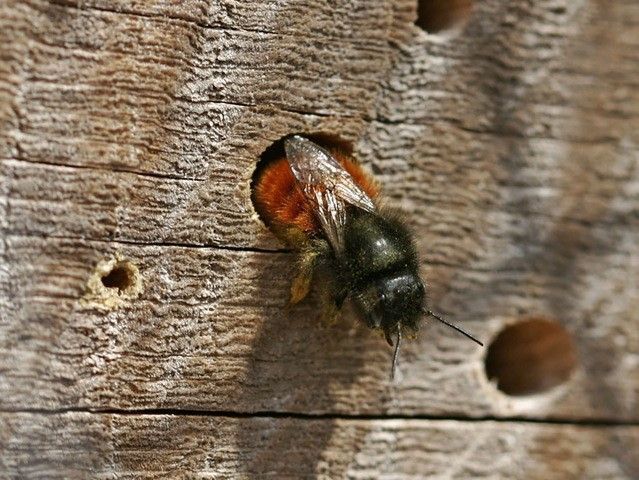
<point x="322" y="204"/>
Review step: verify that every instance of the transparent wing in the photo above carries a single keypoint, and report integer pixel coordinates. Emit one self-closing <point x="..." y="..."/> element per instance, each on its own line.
<point x="327" y="185"/>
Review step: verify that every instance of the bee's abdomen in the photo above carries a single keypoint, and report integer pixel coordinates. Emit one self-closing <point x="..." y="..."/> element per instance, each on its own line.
<point x="281" y="204"/>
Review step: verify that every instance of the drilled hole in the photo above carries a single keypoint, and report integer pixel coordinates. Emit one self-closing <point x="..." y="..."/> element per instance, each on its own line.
<point x="114" y="283"/>
<point x="435" y="16"/>
<point x="121" y="277"/>
<point x="531" y="357"/>
<point x="276" y="151"/>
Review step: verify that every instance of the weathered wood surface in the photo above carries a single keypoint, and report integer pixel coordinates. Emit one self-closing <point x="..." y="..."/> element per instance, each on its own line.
<point x="59" y="352"/>
<point x="168" y="446"/>
<point x="133" y="128"/>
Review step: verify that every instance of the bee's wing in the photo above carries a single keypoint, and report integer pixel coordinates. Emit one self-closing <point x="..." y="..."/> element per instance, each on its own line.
<point x="327" y="185"/>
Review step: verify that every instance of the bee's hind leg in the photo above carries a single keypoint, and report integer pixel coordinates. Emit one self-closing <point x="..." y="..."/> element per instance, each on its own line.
<point x="332" y="299"/>
<point x="316" y="258"/>
<point x="308" y="260"/>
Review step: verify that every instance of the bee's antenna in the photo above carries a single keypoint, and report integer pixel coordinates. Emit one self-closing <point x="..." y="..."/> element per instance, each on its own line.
<point x="454" y="327"/>
<point x="396" y="352"/>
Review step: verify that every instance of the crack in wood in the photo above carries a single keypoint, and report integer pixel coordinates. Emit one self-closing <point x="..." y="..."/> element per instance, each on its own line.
<point x="591" y="422"/>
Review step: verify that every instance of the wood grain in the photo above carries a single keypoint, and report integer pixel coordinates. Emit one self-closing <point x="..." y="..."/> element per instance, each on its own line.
<point x="242" y="348"/>
<point x="131" y="130"/>
<point x="144" y="446"/>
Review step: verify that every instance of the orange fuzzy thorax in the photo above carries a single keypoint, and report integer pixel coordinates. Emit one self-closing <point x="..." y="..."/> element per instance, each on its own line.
<point x="281" y="204"/>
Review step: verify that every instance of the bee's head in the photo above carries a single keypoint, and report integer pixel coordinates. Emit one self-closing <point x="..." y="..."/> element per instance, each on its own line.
<point x="391" y="302"/>
<point x="394" y="303"/>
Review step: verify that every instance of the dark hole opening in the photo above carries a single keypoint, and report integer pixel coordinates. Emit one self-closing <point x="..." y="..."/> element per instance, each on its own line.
<point x="119" y="277"/>
<point x="531" y="357"/>
<point x="436" y="16"/>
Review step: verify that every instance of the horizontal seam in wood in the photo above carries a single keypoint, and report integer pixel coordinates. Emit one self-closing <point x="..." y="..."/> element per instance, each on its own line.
<point x="435" y="263"/>
<point x="594" y="422"/>
<point x="104" y="169"/>
<point x="8" y="233"/>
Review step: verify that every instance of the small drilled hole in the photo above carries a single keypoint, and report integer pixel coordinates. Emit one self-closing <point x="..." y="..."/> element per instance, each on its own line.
<point x="531" y="357"/>
<point x="121" y="277"/>
<point x="113" y="283"/>
<point x="435" y="16"/>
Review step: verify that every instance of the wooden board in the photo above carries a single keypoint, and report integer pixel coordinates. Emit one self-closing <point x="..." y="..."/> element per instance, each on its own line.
<point x="152" y="446"/>
<point x="211" y="330"/>
<point x="131" y="130"/>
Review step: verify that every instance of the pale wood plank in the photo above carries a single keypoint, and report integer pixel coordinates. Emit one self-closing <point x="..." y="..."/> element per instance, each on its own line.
<point x="141" y="446"/>
<point x="132" y="129"/>
<point x="211" y="331"/>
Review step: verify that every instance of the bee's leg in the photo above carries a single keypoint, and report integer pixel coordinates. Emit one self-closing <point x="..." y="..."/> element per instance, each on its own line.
<point x="332" y="298"/>
<point x="302" y="282"/>
<point x="307" y="262"/>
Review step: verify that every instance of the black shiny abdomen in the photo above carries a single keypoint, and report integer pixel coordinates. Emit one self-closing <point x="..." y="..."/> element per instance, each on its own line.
<point x="380" y="267"/>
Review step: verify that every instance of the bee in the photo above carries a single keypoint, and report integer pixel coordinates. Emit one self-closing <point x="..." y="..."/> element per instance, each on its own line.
<point x="322" y="204"/>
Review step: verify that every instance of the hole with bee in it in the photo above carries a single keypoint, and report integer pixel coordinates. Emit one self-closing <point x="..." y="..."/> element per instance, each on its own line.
<point x="439" y="16"/>
<point x="531" y="357"/>
<point x="275" y="152"/>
